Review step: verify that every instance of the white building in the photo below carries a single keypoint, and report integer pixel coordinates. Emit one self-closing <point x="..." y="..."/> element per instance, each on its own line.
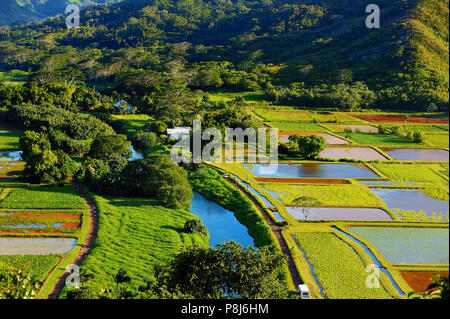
<point x="124" y="107"/>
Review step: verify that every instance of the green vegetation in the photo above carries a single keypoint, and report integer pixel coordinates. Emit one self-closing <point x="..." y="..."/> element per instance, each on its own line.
<point x="339" y="270"/>
<point x="38" y="266"/>
<point x="283" y="114"/>
<point x="409" y="172"/>
<point x="43" y="197"/>
<point x="378" y="139"/>
<point x="305" y="147"/>
<point x="42" y="164"/>
<point x="134" y="234"/>
<point x="9" y="141"/>
<point x="297" y="127"/>
<point x="326" y="195"/>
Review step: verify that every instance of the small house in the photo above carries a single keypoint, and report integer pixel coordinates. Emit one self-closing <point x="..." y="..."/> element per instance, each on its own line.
<point x="124" y="107"/>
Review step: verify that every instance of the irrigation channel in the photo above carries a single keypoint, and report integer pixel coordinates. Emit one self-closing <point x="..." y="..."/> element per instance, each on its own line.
<point x="374" y="259"/>
<point x="88" y="242"/>
<point x="276" y="230"/>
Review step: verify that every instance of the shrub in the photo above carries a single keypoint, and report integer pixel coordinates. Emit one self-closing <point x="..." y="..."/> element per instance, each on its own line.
<point x="195" y="226"/>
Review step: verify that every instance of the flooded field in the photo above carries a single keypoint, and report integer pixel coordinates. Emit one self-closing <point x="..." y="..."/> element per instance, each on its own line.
<point x="36" y="246"/>
<point x="356" y="153"/>
<point x="401" y="245"/>
<point x="331" y="139"/>
<point x="10" y="155"/>
<point x="311" y="170"/>
<point x="338" y="213"/>
<point x="418" y="154"/>
<point x="411" y="199"/>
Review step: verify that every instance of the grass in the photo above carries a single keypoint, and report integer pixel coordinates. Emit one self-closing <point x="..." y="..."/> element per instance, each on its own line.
<point x="327" y="195"/>
<point x="297" y="127"/>
<point x="376" y="139"/>
<point x="408" y="245"/>
<point x="39" y="266"/>
<point x="409" y="173"/>
<point x="135" y="235"/>
<point x="440" y="140"/>
<point x="43" y="197"/>
<point x="9" y="141"/>
<point x="225" y="96"/>
<point x="134" y="122"/>
<point x="338" y="268"/>
<point x="13" y="77"/>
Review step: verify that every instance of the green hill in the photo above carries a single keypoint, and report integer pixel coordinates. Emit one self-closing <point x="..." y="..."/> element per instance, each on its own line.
<point x="304" y="53"/>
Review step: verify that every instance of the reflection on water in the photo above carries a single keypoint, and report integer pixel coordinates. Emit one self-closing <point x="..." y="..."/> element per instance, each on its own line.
<point x="356" y="153"/>
<point x="411" y="199"/>
<point x="36" y="246"/>
<point x="10" y="155"/>
<point x="338" y="213"/>
<point x="221" y="223"/>
<point x="417" y="154"/>
<point x="311" y="170"/>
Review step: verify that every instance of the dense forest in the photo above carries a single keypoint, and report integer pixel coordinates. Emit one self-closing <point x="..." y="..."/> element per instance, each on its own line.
<point x="311" y="53"/>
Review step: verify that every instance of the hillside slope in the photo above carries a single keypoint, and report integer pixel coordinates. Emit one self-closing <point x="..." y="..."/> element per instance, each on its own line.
<point x="321" y="45"/>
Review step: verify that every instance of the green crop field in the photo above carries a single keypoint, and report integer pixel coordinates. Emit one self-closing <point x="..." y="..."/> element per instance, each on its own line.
<point x="291" y="114"/>
<point x="327" y="195"/>
<point x="43" y="197"/>
<point x="135" y="235"/>
<point x="376" y="139"/>
<point x="39" y="265"/>
<point x="409" y="173"/>
<point x="297" y="127"/>
<point x="9" y="141"/>
<point x="339" y="270"/>
<point x="440" y="140"/>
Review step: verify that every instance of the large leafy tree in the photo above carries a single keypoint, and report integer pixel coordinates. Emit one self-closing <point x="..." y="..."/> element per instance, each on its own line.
<point x="225" y="271"/>
<point x="42" y="164"/>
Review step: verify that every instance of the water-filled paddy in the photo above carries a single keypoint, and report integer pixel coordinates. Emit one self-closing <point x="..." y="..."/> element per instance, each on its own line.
<point x="221" y="223"/>
<point x="411" y="199"/>
<point x="32" y="226"/>
<point x="311" y="170"/>
<point x="338" y="213"/>
<point x="331" y="139"/>
<point x="10" y="155"/>
<point x="403" y="245"/>
<point x="418" y="154"/>
<point x="36" y="246"/>
<point x="356" y="153"/>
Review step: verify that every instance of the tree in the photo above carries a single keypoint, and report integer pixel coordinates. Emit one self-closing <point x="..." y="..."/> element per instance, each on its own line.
<point x="307" y="203"/>
<point x="42" y="164"/>
<point x="104" y="147"/>
<point x="438" y="289"/>
<point x="158" y="177"/>
<point x="307" y="147"/>
<point x="195" y="226"/>
<point x="226" y="271"/>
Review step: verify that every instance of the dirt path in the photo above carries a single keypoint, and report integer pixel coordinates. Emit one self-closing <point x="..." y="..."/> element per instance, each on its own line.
<point x="85" y="249"/>
<point x="276" y="231"/>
